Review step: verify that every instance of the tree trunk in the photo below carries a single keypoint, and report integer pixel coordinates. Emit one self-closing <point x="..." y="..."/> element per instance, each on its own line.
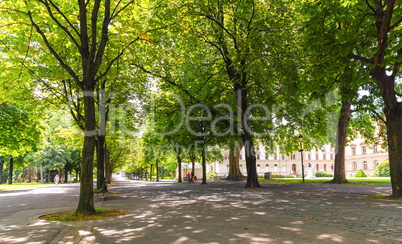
<point x="108" y="166"/>
<point x="192" y="159"/>
<point x="86" y="199"/>
<point x="10" y="172"/>
<point x="204" y="165"/>
<point x="178" y="156"/>
<point x="1" y="169"/>
<point x="234" y="161"/>
<point x="343" y="123"/>
<point x="100" y="146"/>
<point x="247" y="136"/>
<point x="42" y="178"/>
<point x="100" y="155"/>
<point x="157" y="170"/>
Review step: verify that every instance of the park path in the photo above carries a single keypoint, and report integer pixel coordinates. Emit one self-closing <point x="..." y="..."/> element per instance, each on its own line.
<point x="219" y="212"/>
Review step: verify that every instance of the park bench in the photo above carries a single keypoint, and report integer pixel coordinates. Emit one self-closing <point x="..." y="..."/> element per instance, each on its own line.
<point x="101" y="190"/>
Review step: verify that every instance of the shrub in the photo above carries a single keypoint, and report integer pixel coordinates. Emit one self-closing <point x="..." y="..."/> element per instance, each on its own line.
<point x="323" y="174"/>
<point x="212" y="175"/>
<point x="382" y="169"/>
<point x="360" y="173"/>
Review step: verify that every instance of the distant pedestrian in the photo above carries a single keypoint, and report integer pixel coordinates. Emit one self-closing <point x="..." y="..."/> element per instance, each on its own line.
<point x="56" y="179"/>
<point x="195" y="178"/>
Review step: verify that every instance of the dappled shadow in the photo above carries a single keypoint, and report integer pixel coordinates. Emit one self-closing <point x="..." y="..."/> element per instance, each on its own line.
<point x="227" y="213"/>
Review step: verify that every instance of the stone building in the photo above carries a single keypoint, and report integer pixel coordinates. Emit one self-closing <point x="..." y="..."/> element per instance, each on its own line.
<point x="358" y="156"/>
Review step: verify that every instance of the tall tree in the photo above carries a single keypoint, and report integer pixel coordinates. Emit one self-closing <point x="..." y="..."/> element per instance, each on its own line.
<point x="92" y="40"/>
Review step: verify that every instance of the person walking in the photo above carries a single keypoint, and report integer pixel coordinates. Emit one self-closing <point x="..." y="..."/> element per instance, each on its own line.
<point x="56" y="179"/>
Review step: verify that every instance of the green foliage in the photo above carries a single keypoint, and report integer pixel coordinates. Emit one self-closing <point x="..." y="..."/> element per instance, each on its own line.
<point x="323" y="174"/>
<point x="212" y="175"/>
<point x="360" y="173"/>
<point x="383" y="169"/>
<point x="282" y="176"/>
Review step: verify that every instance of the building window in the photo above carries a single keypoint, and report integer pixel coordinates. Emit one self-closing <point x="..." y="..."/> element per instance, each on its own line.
<point x="226" y="156"/>
<point x="324" y="156"/>
<point x="332" y="156"/>
<point x="266" y="156"/>
<point x="375" y="164"/>
<point x="258" y="168"/>
<point x="267" y="166"/>
<point x="293" y="157"/>
<point x="276" y="157"/>
<point x="353" y="151"/>
<point x="317" y="167"/>
<point x="227" y="168"/>
<point x="316" y="156"/>
<point x="283" y="157"/>
<point x="354" y="166"/>
<point x="258" y="156"/>
<point x="309" y="156"/>
<point x="325" y="167"/>
<point x="332" y="166"/>
<point x="375" y="149"/>
<point x="364" y="165"/>
<point x="364" y="149"/>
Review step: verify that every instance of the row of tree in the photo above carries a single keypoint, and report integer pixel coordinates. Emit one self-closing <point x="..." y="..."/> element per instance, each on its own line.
<point x="208" y="74"/>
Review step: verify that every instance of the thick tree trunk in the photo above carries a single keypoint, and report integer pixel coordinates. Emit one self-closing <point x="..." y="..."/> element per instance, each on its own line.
<point x="343" y="123"/>
<point x="251" y="162"/>
<point x="247" y="136"/>
<point x="86" y="199"/>
<point x="100" y="155"/>
<point x="10" y="172"/>
<point x="234" y="161"/>
<point x="100" y="146"/>
<point x="393" y="114"/>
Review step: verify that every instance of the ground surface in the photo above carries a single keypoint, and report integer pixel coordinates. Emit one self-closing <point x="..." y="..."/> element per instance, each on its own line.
<point x="219" y="212"/>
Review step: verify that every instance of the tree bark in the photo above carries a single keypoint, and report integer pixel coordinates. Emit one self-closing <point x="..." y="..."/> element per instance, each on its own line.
<point x="343" y="123"/>
<point x="108" y="166"/>
<point x="234" y="161"/>
<point x="100" y="146"/>
<point x="1" y="169"/>
<point x="157" y="170"/>
<point x="86" y="199"/>
<point x="10" y="172"/>
<point x="204" y="165"/>
<point x="178" y="156"/>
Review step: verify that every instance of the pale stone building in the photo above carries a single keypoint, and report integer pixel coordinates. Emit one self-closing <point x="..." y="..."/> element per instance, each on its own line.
<point x="358" y="156"/>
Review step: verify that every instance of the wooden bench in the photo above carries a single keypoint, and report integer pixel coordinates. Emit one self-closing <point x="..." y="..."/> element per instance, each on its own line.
<point x="101" y="190"/>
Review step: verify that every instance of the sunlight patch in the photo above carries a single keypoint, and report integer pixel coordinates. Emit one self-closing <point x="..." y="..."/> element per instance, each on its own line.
<point x="333" y="237"/>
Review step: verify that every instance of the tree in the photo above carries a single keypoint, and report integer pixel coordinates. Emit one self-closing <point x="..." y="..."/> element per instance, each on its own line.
<point x="376" y="26"/>
<point x="92" y="41"/>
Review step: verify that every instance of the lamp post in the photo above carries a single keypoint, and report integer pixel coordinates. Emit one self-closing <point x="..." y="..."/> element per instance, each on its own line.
<point x="301" y="154"/>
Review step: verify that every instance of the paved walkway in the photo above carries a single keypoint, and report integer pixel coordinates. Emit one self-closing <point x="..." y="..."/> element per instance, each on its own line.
<point x="226" y="212"/>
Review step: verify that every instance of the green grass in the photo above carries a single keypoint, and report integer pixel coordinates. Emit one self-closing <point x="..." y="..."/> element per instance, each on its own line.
<point x="353" y="181"/>
<point x="101" y="213"/>
<point x="382" y="196"/>
<point x="4" y="187"/>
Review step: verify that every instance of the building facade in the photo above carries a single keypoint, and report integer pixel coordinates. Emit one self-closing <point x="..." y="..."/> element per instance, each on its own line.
<point x="358" y="156"/>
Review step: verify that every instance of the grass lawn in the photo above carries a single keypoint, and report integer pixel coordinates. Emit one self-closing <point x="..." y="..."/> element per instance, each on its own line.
<point x="4" y="187"/>
<point x="354" y="181"/>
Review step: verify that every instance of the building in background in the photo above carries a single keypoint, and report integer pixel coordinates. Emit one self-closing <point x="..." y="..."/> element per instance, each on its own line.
<point x="358" y="156"/>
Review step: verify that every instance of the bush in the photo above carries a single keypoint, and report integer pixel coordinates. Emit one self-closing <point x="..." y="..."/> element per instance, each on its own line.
<point x="323" y="174"/>
<point x="360" y="173"/>
<point x="212" y="175"/>
<point x="382" y="169"/>
<point x="282" y="176"/>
